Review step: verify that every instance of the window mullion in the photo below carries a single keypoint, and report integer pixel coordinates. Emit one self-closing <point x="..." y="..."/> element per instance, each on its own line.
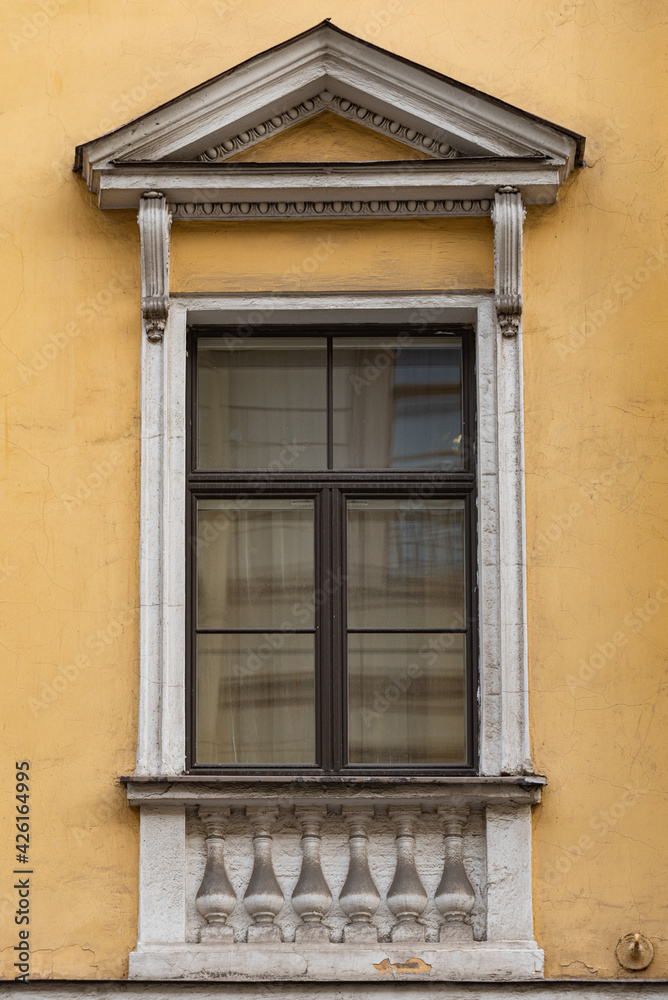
<point x="323" y="683"/>
<point x="337" y="590"/>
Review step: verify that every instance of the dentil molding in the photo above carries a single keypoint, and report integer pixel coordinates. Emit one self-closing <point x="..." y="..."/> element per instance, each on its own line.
<point x="325" y="101"/>
<point x="387" y="209"/>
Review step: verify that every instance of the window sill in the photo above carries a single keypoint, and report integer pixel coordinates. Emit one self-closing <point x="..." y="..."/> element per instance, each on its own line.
<point x="228" y="790"/>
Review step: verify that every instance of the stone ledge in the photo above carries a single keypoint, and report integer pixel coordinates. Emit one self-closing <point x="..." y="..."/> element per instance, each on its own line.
<point x="287" y="962"/>
<point x="184" y="790"/>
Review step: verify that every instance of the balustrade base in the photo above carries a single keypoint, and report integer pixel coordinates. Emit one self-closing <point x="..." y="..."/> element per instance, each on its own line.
<point x="312" y="933"/>
<point x="217" y="933"/>
<point x="360" y="933"/>
<point x="455" y="931"/>
<point x="408" y="930"/>
<point x="511" y="960"/>
<point x="264" y="934"/>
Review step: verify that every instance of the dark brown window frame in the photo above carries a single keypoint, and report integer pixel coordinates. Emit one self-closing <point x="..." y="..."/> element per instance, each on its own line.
<point x="323" y="487"/>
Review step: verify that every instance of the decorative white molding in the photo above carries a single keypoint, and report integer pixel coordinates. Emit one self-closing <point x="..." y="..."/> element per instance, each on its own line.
<point x="508" y="218"/>
<point x="443" y="879"/>
<point x="161" y="746"/>
<point x="215" y="897"/>
<point x="327" y="58"/>
<point x="311" y="897"/>
<point x="349" y="794"/>
<point x="359" y="897"/>
<point x="406" y="897"/>
<point x="454" y="897"/>
<point x="263" y="898"/>
<point x="429" y="208"/>
<point x="504" y="736"/>
<point x="325" y="101"/>
<point x="154" y="225"/>
<point x="122" y="185"/>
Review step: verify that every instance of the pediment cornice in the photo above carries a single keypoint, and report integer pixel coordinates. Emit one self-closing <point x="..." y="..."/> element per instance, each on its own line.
<point x="325" y="101"/>
<point x="327" y="68"/>
<point x="483" y="157"/>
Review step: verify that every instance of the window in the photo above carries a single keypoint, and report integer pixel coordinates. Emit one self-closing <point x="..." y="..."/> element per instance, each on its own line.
<point x="332" y="607"/>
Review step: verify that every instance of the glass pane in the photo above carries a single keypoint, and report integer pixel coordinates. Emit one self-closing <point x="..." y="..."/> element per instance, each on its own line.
<point x="255" y="699"/>
<point x="406" y="565"/>
<point x="255" y="563"/>
<point x="398" y="403"/>
<point x="407" y="699"/>
<point x="261" y="403"/>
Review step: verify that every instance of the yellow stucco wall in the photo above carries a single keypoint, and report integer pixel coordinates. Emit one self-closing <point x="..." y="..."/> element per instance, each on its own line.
<point x="595" y="370"/>
<point x="322" y="256"/>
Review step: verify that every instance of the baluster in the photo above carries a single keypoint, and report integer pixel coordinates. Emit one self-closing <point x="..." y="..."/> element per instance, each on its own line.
<point x="311" y="899"/>
<point x="263" y="898"/>
<point x="359" y="897"/>
<point x="407" y="897"/>
<point x="215" y="897"/>
<point x="454" y="897"/>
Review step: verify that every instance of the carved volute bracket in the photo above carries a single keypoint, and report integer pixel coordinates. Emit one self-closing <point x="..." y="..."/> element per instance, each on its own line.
<point x="263" y="898"/>
<point x="454" y="897"/>
<point x="508" y="217"/>
<point x="312" y="898"/>
<point x="155" y="222"/>
<point x="215" y="897"/>
<point x="359" y="897"/>
<point x="406" y="897"/>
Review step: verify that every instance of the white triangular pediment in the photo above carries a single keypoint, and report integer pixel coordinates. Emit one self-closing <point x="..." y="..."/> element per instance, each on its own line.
<point x="329" y="69"/>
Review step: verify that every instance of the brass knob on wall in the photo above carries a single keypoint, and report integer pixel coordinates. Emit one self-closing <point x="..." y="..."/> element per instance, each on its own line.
<point x="634" y="951"/>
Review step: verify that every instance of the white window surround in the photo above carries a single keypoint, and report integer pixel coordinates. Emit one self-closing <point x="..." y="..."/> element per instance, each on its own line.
<point x="487" y="159"/>
<point x="504" y="736"/>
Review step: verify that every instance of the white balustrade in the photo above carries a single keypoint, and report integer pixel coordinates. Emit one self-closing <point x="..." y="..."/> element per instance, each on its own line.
<point x="311" y="899"/>
<point x="407" y="897"/>
<point x="273" y="880"/>
<point x="263" y="898"/>
<point x="215" y="898"/>
<point x="454" y="897"/>
<point x="359" y="900"/>
<point x="359" y="897"/>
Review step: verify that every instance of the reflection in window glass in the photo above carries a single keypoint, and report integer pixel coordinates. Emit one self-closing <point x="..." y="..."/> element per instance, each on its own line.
<point x="398" y="405"/>
<point x="254" y="562"/>
<point x="262" y="403"/>
<point x="255" y="699"/>
<point x="406" y="565"/>
<point x="407" y="698"/>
